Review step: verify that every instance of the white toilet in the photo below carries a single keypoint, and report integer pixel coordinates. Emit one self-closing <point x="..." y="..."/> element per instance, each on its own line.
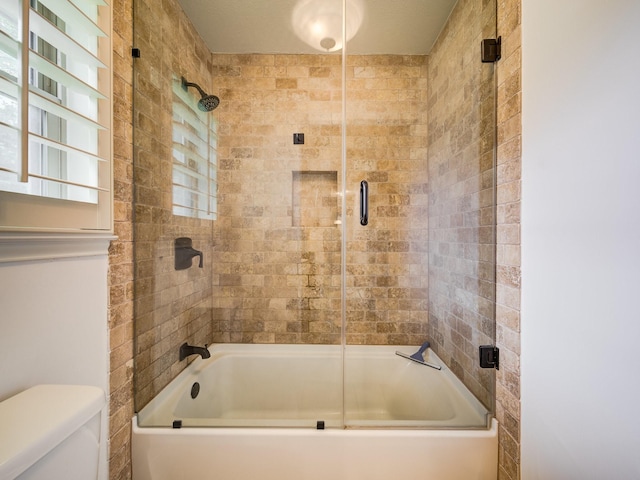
<point x="51" y="432"/>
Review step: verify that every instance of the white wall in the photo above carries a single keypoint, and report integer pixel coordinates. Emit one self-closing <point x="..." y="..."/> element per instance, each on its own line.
<point x="53" y="319"/>
<point x="580" y="359"/>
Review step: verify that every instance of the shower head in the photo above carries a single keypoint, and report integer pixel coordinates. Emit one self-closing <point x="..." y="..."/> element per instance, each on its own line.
<point x="207" y="103"/>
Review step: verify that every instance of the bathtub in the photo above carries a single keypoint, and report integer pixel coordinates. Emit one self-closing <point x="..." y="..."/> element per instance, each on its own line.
<point x="275" y="412"/>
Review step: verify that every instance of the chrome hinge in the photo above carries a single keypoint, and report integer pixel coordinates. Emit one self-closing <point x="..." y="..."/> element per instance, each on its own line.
<point x="489" y="356"/>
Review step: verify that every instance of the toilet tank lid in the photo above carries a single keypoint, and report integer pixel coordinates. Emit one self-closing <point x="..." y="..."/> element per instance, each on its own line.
<point x="34" y="422"/>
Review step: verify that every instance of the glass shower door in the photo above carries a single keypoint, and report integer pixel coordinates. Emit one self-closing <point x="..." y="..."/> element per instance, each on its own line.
<point x="420" y="245"/>
<point x="345" y="203"/>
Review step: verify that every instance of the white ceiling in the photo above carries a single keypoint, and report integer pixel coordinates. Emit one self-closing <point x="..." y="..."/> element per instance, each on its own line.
<point x="265" y="26"/>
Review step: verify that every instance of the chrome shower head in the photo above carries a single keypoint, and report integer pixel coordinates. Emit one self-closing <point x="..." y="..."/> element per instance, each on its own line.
<point x="207" y="103"/>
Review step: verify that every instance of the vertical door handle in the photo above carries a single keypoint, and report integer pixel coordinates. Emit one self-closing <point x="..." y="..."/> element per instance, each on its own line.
<point x="364" y="202"/>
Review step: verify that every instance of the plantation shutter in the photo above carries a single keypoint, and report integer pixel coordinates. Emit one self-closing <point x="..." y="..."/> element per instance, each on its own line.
<point x="55" y="114"/>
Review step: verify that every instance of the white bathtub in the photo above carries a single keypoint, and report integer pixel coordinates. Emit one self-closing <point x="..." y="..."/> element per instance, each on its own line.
<point x="400" y="418"/>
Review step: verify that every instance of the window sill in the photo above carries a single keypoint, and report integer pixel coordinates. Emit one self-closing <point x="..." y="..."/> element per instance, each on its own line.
<point x="25" y="247"/>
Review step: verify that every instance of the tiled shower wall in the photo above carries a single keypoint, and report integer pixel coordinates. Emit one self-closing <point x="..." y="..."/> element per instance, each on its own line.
<point x="278" y="239"/>
<point x="276" y="258"/>
<point x="121" y="250"/>
<point x="387" y="260"/>
<point x="461" y="207"/>
<point x="449" y="143"/>
<point x="509" y="158"/>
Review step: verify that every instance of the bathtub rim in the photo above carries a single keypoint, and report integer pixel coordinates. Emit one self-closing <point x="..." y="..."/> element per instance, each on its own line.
<point x="385" y="432"/>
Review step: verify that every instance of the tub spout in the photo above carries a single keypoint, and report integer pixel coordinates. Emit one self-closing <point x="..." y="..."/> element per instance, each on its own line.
<point x="187" y="350"/>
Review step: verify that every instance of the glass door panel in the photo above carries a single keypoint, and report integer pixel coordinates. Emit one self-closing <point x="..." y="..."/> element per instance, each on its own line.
<point x="268" y="298"/>
<point x="420" y="266"/>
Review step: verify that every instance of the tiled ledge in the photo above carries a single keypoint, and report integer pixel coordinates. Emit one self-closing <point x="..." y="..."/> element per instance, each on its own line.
<point x="25" y="247"/>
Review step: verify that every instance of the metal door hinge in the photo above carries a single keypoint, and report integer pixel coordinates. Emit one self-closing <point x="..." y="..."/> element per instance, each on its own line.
<point x="489" y="356"/>
<point x="491" y="50"/>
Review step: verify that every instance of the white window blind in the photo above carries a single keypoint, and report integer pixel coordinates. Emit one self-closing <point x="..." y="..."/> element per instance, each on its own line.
<point x="55" y="115"/>
<point x="194" y="157"/>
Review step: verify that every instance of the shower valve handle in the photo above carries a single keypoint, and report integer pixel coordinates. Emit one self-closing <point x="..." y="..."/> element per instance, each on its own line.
<point x="184" y="252"/>
<point x="197" y="253"/>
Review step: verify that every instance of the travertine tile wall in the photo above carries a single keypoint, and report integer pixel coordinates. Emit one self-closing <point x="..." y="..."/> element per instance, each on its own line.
<point x="461" y="179"/>
<point x="509" y="156"/>
<point x="121" y="250"/>
<point x="387" y="282"/>
<point x="170" y="306"/>
<point x="277" y="253"/>
<point x="277" y="267"/>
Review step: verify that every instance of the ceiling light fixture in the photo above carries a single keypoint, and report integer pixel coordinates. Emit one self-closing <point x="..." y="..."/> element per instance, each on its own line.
<point x="319" y="22"/>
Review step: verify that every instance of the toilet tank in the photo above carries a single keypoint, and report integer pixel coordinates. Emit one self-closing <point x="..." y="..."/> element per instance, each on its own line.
<point x="51" y="432"/>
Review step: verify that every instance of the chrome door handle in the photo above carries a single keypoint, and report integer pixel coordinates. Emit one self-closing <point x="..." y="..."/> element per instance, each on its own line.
<point x="364" y="202"/>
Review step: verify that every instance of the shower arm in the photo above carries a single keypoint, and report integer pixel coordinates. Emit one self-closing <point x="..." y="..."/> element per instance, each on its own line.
<point x="186" y="84"/>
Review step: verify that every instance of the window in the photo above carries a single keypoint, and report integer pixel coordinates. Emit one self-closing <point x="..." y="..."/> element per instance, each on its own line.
<point x="55" y="115"/>
<point x="194" y="157"/>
